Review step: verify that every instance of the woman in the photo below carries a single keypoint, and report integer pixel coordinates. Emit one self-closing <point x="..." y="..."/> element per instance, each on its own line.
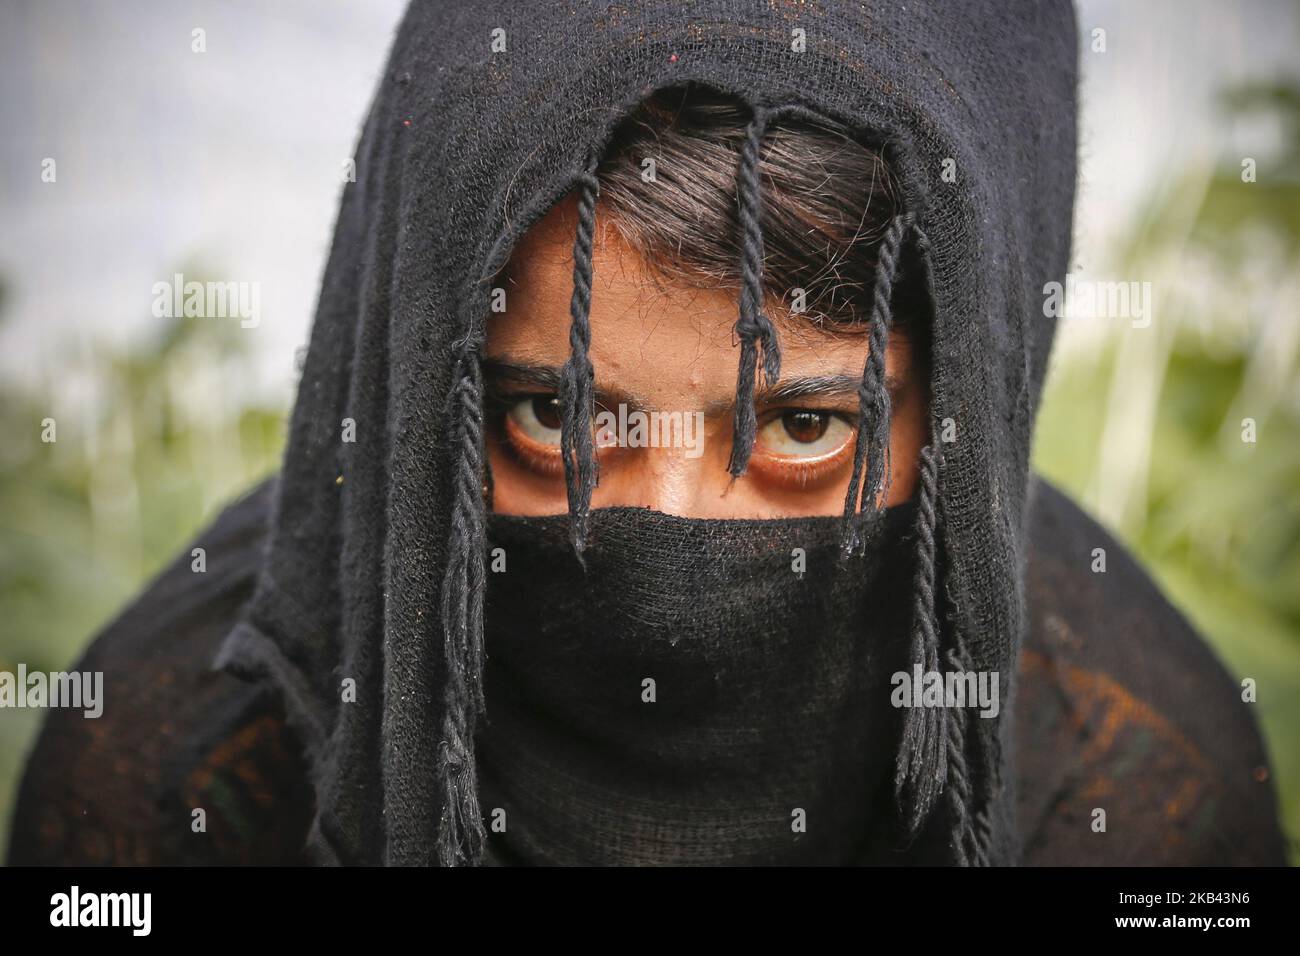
<point x="658" y="488"/>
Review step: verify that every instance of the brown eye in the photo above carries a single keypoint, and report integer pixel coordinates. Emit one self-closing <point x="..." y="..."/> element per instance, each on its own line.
<point x="805" y="427"/>
<point x="537" y="418"/>
<point x="802" y="433"/>
<point x="547" y="410"/>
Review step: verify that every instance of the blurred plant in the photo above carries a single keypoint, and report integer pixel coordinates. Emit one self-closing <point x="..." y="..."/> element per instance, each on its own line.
<point x="1215" y="517"/>
<point x="151" y="441"/>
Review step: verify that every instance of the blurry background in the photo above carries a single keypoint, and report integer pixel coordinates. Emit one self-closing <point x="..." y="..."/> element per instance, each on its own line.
<point x="227" y="164"/>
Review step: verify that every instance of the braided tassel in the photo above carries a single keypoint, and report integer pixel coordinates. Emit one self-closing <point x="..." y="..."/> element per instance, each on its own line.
<point x="983" y="827"/>
<point x="873" y="392"/>
<point x="461" y="835"/>
<point x="753" y="328"/>
<point x="921" y="770"/>
<point x="577" y="382"/>
<point x="964" y="835"/>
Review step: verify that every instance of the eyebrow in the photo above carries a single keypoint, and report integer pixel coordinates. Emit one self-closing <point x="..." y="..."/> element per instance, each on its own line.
<point x="549" y="377"/>
<point x="537" y="376"/>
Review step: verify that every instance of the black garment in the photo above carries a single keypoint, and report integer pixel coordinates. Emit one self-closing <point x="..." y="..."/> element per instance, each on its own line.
<point x="489" y="112"/>
<point x="1122" y="706"/>
<point x="628" y="725"/>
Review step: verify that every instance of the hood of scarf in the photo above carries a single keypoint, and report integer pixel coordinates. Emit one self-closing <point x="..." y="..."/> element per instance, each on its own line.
<point x="486" y="115"/>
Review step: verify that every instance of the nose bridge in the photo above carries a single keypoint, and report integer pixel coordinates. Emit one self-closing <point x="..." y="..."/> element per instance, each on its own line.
<point x="672" y="481"/>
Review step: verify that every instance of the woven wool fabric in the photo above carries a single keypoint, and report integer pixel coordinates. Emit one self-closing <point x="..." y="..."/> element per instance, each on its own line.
<point x="770" y="737"/>
<point x="463" y="150"/>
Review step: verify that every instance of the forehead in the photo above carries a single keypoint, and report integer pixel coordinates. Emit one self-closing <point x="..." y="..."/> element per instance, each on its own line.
<point x="650" y="336"/>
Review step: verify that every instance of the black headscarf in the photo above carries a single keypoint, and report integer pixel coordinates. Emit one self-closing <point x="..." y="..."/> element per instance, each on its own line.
<point x="369" y="612"/>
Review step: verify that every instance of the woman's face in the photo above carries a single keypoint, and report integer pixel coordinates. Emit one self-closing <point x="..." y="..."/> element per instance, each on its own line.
<point x="666" y="351"/>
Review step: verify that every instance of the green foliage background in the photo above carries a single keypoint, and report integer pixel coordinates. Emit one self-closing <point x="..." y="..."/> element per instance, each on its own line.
<point x="1142" y="425"/>
<point x="150" y="443"/>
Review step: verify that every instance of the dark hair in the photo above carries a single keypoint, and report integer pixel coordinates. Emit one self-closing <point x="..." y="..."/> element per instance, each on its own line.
<point x="827" y="202"/>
